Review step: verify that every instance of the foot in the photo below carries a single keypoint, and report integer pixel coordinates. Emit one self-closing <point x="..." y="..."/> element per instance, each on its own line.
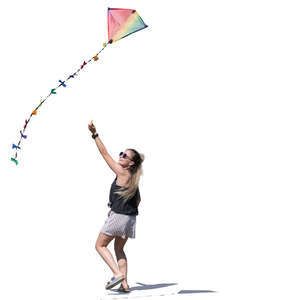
<point x="124" y="288"/>
<point x="125" y="283"/>
<point x="114" y="281"/>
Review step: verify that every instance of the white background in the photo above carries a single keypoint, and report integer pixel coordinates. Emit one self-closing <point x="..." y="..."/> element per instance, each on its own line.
<point x="209" y="93"/>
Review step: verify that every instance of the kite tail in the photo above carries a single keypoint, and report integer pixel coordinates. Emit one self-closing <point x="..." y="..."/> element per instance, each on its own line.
<point x="52" y="92"/>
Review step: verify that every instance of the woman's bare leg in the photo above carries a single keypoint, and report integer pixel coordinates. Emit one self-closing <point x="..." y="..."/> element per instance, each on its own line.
<point x="101" y="247"/>
<point x="121" y="258"/>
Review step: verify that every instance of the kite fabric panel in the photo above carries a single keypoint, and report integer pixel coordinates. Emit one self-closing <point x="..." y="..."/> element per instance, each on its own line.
<point x="123" y="22"/>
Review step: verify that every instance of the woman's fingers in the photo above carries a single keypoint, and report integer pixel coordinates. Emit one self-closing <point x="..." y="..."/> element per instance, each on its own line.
<point x="91" y="127"/>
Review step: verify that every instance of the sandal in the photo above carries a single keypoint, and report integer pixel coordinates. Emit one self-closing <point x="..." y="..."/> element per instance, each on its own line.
<point x="121" y="289"/>
<point x="113" y="282"/>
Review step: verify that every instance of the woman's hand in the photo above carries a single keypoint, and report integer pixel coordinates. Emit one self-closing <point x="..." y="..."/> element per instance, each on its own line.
<point x="92" y="128"/>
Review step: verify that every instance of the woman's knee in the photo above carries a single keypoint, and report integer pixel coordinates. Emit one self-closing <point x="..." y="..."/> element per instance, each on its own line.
<point x="119" y="245"/>
<point x="103" y="241"/>
<point x="98" y="247"/>
<point x="119" y="250"/>
<point x="120" y="254"/>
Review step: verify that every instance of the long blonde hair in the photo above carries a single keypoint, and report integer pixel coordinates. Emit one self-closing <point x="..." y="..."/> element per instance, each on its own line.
<point x="136" y="171"/>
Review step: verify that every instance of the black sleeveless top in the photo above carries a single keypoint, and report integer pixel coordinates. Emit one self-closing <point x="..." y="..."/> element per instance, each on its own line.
<point x="116" y="202"/>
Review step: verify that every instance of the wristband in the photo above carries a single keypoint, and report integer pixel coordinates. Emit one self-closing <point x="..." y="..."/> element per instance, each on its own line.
<point x="95" y="135"/>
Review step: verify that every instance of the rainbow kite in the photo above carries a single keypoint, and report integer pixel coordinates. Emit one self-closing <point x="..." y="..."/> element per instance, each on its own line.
<point x="121" y="23"/>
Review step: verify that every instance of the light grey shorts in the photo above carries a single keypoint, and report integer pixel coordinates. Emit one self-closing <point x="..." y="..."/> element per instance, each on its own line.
<point x="119" y="225"/>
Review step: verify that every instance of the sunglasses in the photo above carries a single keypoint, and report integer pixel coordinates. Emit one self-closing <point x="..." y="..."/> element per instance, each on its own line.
<point x="124" y="155"/>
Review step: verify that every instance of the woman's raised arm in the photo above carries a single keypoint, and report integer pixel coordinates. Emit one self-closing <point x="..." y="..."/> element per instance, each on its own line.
<point x="117" y="169"/>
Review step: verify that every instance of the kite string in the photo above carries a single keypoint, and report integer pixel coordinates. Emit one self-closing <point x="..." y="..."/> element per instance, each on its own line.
<point x="53" y="91"/>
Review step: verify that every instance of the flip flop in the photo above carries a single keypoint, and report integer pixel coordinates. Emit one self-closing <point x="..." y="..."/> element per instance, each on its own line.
<point x="121" y="289"/>
<point x="113" y="282"/>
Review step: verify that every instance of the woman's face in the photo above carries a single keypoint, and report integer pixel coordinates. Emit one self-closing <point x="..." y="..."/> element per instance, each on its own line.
<point x="126" y="162"/>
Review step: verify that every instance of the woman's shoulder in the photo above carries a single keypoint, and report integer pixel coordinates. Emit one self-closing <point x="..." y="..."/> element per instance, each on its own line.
<point x="122" y="180"/>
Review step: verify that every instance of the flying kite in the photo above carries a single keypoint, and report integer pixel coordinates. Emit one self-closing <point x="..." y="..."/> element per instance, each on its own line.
<point x="121" y="23"/>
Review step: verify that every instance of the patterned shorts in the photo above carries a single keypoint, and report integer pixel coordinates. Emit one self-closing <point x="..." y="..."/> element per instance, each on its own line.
<point x="119" y="225"/>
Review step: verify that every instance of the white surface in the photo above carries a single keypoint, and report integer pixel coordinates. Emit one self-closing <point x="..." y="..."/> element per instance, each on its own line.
<point x="144" y="290"/>
<point x="209" y="93"/>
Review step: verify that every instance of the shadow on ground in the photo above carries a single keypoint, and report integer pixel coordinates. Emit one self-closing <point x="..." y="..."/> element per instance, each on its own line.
<point x="143" y="286"/>
<point x="195" y="291"/>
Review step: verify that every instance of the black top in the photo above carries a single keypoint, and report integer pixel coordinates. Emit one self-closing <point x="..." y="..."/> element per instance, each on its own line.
<point x="116" y="202"/>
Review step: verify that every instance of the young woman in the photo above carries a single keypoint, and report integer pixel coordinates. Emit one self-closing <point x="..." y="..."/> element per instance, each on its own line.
<point x="124" y="200"/>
